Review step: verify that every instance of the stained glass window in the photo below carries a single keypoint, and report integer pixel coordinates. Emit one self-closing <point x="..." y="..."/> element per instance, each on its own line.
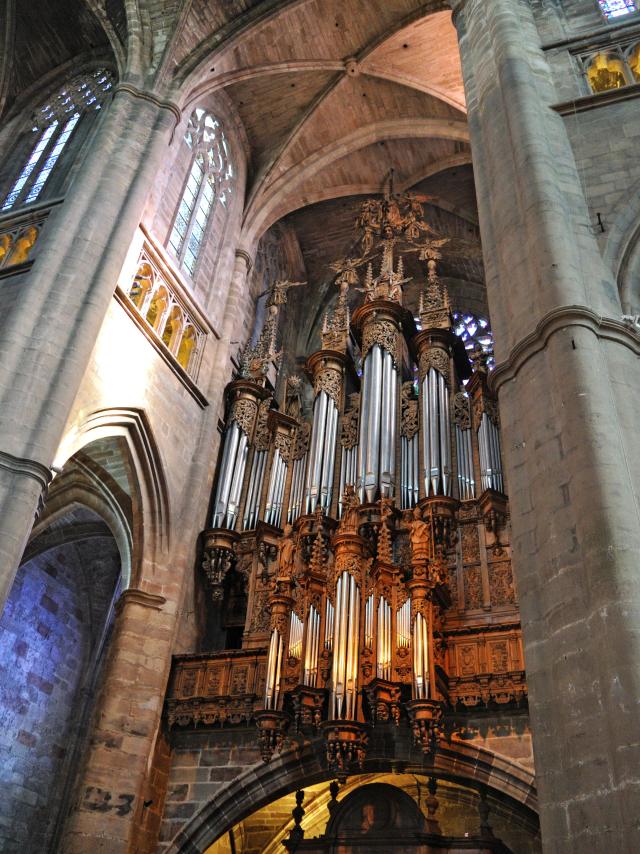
<point x="53" y="125"/>
<point x="616" y="8"/>
<point x="209" y="182"/>
<point x="475" y="332"/>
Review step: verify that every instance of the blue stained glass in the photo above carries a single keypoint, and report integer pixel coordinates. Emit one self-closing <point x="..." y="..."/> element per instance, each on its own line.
<point x="36" y="154"/>
<point x="616" y="8"/>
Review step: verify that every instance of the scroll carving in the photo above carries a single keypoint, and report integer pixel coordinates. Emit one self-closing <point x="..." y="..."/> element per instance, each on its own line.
<point x="383" y="333"/>
<point x="462" y="411"/>
<point x="409" y="424"/>
<point x="301" y="443"/>
<point x="283" y="444"/>
<point x="349" y="435"/>
<point x="329" y="381"/>
<point x="263" y="434"/>
<point x="243" y="412"/>
<point x="434" y="358"/>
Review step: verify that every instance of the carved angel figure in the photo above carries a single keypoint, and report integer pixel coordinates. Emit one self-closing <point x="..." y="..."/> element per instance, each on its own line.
<point x="419" y="535"/>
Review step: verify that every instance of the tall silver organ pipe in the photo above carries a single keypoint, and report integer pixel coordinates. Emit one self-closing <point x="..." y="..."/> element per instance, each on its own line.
<point x="377" y="439"/>
<point x="346" y="625"/>
<point x="321" y="453"/>
<point x="489" y="447"/>
<point x="254" y="490"/>
<point x="297" y="489"/>
<point x="275" y="491"/>
<point x="274" y="668"/>
<point x="436" y="435"/>
<point x="312" y="644"/>
<point x="410" y="471"/>
<point x="234" y="460"/>
<point x="466" y="477"/>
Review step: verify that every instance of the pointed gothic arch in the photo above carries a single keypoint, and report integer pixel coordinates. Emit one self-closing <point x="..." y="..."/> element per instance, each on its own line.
<point x="151" y="531"/>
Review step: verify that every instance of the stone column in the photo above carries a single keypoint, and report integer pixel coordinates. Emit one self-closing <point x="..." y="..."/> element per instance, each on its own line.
<point x="50" y="317"/>
<point x="107" y="801"/>
<point x="567" y="370"/>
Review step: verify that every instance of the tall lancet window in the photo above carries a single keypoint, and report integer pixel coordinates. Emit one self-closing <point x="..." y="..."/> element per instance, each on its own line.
<point x="209" y="182"/>
<point x="53" y="125"/>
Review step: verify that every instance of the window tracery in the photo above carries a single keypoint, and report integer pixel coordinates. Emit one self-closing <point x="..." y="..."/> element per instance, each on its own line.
<point x="209" y="182"/>
<point x="54" y="123"/>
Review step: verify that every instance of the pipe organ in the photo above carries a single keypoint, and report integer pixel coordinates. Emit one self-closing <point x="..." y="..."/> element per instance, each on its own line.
<point x="358" y="500"/>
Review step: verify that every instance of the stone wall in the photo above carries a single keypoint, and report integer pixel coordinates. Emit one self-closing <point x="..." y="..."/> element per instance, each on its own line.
<point x="50" y="633"/>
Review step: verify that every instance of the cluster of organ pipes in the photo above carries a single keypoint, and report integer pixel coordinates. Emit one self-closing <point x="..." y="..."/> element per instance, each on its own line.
<point x="365" y="474"/>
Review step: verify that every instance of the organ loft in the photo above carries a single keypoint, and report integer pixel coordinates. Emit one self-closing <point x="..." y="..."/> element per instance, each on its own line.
<point x="319" y="459"/>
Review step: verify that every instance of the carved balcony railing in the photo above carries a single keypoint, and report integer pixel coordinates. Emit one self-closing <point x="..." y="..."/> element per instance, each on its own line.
<point x="215" y="688"/>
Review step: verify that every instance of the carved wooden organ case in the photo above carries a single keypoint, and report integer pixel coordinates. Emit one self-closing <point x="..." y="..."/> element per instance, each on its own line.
<point x="372" y="537"/>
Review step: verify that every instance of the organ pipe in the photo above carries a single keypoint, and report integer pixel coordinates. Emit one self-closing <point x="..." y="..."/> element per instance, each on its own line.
<point x="254" y="490"/>
<point x="420" y="658"/>
<point x="310" y="675"/>
<point x="466" y="479"/>
<point x="383" y="657"/>
<point x="436" y="434"/>
<point x="489" y="447"/>
<point x="345" y="648"/>
<point x="274" y="667"/>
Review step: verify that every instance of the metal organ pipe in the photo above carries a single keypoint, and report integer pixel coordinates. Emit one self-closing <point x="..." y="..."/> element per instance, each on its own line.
<point x="420" y="658"/>
<point x="383" y="657"/>
<point x="254" y="492"/>
<point x="388" y="426"/>
<point x="466" y="481"/>
<point x="435" y="434"/>
<point x="409" y="474"/>
<point x="230" y="460"/>
<point x="236" y="481"/>
<point x="377" y="436"/>
<point x="274" y="667"/>
<point x="297" y="489"/>
<point x="311" y="649"/>
<point x="489" y="447"/>
<point x="345" y="648"/>
<point x="319" y="480"/>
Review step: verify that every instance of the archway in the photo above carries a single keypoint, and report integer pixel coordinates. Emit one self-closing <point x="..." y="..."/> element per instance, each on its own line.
<point x="54" y="632"/>
<point x="508" y="785"/>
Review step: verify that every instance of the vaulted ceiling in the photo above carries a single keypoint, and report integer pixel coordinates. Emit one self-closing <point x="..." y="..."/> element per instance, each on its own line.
<point x="332" y="94"/>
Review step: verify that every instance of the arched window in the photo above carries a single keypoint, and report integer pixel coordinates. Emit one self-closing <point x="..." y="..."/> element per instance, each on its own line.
<point x="53" y="125"/>
<point x="209" y="182"/>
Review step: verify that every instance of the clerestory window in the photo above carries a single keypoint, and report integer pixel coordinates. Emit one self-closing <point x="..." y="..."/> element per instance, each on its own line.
<point x="209" y="182"/>
<point x="616" y="8"/>
<point x="53" y="125"/>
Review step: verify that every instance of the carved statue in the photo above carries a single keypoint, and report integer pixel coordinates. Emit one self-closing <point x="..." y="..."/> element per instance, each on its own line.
<point x="419" y="534"/>
<point x="286" y="552"/>
<point x="350" y="517"/>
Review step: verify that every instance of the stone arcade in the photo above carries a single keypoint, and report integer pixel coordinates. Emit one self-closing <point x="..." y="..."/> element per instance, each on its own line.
<point x="319" y="456"/>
